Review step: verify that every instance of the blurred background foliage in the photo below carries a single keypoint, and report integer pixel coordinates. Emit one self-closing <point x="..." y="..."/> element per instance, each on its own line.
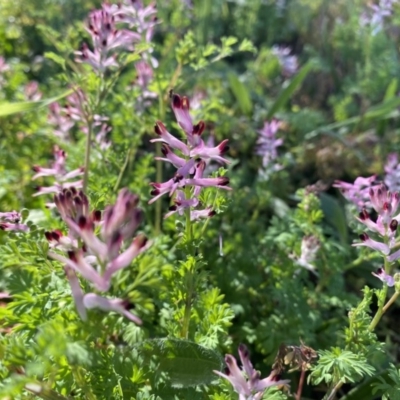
<point x="339" y="110"/>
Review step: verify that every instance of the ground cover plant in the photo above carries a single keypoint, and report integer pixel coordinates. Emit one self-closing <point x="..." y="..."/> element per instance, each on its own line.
<point x="199" y="199"/>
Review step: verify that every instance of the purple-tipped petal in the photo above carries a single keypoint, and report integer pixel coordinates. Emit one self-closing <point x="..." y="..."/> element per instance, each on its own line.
<point x="373" y="244"/>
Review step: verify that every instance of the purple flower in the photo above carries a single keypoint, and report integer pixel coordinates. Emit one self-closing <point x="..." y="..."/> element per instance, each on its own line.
<point x="59" y="173"/>
<point x="105" y="38"/>
<point x="94" y="257"/>
<point x="190" y="162"/>
<point x="376" y="14"/>
<point x="267" y="145"/>
<point x="358" y="192"/>
<point x="246" y="381"/>
<point x="373" y="244"/>
<point x="384" y="277"/>
<point x="288" y="62"/>
<point x="11" y="221"/>
<point x="32" y="92"/>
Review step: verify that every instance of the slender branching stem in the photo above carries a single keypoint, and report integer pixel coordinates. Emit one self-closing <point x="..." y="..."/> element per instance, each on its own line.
<point x="301" y="384"/>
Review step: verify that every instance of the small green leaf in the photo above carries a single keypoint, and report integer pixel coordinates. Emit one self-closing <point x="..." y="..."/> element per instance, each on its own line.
<point x="56" y="58"/>
<point x="23" y="106"/>
<point x="241" y="93"/>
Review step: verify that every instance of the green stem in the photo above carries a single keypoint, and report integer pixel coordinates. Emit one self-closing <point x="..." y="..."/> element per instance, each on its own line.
<point x="189" y="273"/>
<point x="87" y="154"/>
<point x="391" y="301"/>
<point x="381" y="301"/>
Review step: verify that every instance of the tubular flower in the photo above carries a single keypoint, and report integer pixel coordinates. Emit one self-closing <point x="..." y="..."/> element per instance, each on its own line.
<point x="358" y="192"/>
<point x="288" y="63"/>
<point x="59" y="172"/>
<point x="246" y="380"/>
<point x="11" y="221"/>
<point x="189" y="157"/>
<point x="96" y="258"/>
<point x="267" y="145"/>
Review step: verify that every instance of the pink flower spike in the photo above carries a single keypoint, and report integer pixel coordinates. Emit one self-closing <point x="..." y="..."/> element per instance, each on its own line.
<point x="171" y="140"/>
<point x="180" y="106"/>
<point x="373" y="244"/>
<point x="211" y="153"/>
<point x="92" y="300"/>
<point x="384" y="277"/>
<point x="77" y="292"/>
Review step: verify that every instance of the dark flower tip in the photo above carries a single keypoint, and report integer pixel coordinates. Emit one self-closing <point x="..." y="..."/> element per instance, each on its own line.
<point x="176" y="101"/>
<point x="212" y="213"/>
<point x="72" y="255"/>
<point x="173" y="208"/>
<point x="393" y="225"/>
<point x="198" y="129"/>
<point x="127" y="304"/>
<point x="364" y="237"/>
<point x="243" y="349"/>
<point x="165" y="149"/>
<point x="48" y="235"/>
<point x="96" y="215"/>
<point x="379" y="270"/>
<point x="224" y="180"/>
<point x="82" y="222"/>
<point x="55" y="235"/>
<point x="36" y="168"/>
<point x="141" y="241"/>
<point x="364" y="215"/>
<point x="157" y="128"/>
<point x="155" y="192"/>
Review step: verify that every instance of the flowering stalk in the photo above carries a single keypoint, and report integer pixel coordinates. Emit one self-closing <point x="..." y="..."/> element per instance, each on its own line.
<point x="97" y="259"/>
<point x="190" y="159"/>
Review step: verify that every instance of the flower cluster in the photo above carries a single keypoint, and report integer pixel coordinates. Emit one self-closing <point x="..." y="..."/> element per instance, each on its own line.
<point x="106" y="38"/>
<point x="386" y="204"/>
<point x="358" y="192"/>
<point x="11" y="221"/>
<point x="96" y="258"/>
<point x="375" y="16"/>
<point x="267" y="145"/>
<point x="60" y="174"/>
<point x="190" y="163"/>
<point x="289" y="63"/>
<point x="246" y="381"/>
